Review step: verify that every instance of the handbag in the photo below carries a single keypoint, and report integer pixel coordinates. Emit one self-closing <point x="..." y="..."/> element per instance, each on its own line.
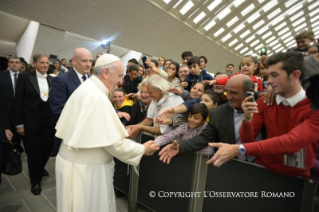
<point x="11" y="157"/>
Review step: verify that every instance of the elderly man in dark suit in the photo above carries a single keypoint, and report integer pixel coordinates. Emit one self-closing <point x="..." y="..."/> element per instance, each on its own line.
<point x="8" y="80"/>
<point x="33" y="118"/>
<point x="224" y="122"/>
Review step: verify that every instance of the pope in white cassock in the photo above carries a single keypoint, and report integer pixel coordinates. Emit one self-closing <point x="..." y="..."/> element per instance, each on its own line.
<point x="92" y="134"/>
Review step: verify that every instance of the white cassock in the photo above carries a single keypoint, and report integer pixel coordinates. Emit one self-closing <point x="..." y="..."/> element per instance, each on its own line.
<point x="92" y="134"/>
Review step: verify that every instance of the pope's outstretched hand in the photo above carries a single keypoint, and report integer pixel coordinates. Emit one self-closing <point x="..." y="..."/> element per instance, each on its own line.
<point x="169" y="152"/>
<point x="150" y="148"/>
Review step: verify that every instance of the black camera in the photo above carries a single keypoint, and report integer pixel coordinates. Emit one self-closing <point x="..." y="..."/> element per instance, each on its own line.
<point x="313" y="91"/>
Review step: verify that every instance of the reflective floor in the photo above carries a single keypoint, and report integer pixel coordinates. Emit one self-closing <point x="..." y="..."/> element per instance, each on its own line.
<point x="15" y="194"/>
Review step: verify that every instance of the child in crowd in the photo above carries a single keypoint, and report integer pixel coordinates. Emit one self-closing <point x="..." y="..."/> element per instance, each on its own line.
<point x="161" y="61"/>
<point x="166" y="64"/>
<point x="249" y="66"/>
<point x="195" y="125"/>
<point x="185" y="56"/>
<point x="196" y="74"/>
<point x="303" y="40"/>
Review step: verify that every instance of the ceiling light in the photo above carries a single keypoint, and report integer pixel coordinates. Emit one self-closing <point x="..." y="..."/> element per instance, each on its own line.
<point x="280" y="49"/>
<point x="298" y="22"/>
<point x="187" y="7"/>
<point x="270" y="5"/>
<point x="233" y="42"/>
<point x="266" y="35"/>
<point x="209" y="25"/>
<point x="167" y="1"/>
<point x="283" y="31"/>
<point x="296" y="16"/>
<point x="199" y="17"/>
<point x="286" y="35"/>
<point x="313" y="5"/>
<point x="273" y="14"/>
<point x="315" y="12"/>
<point x="214" y="4"/>
<point x="291" y="43"/>
<point x="254" y="43"/>
<point x="180" y="1"/>
<point x="238" y="2"/>
<point x="239" y="46"/>
<point x="294" y="8"/>
<point x="280" y="26"/>
<point x="259" y="24"/>
<point x="244" y="50"/>
<point x="259" y="46"/>
<point x="247" y="10"/>
<point x="253" y="17"/>
<point x="297" y="29"/>
<point x="270" y="39"/>
<point x="221" y="30"/>
<point x="262" y="30"/>
<point x="277" y="20"/>
<point x="287" y="4"/>
<point x="231" y="22"/>
<point x="288" y="39"/>
<point x="250" y="39"/>
<point x="314" y="19"/>
<point x="226" y="37"/>
<point x="277" y="46"/>
<point x="244" y="34"/>
<point x="273" y="43"/>
<point x="223" y="13"/>
<point x="238" y="28"/>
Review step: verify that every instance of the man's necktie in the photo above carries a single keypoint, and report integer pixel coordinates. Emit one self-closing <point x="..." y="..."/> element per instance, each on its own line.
<point x="84" y="78"/>
<point x="15" y="80"/>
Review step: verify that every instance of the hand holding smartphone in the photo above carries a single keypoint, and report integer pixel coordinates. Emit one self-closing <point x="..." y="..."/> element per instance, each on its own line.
<point x="144" y="58"/>
<point x="263" y="51"/>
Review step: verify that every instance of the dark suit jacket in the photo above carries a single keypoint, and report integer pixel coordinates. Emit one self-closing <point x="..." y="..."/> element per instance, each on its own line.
<point x="6" y="102"/>
<point x="220" y="128"/>
<point x="27" y="96"/>
<point x="62" y="88"/>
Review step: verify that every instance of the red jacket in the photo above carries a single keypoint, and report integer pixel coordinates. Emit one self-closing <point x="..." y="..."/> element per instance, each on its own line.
<point x="256" y="79"/>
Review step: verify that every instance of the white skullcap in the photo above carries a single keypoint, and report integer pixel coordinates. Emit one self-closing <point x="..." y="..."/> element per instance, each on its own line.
<point x="106" y="59"/>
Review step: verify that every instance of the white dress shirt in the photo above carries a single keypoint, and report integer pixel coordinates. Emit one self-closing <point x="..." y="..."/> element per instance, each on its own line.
<point x="292" y="101"/>
<point x="43" y="86"/>
<point x="80" y="75"/>
<point x="12" y="79"/>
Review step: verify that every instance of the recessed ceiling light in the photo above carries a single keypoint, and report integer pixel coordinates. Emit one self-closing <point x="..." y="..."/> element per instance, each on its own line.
<point x="223" y="13"/>
<point x="244" y="50"/>
<point x="226" y="37"/>
<point x="221" y="30"/>
<point x="238" y="28"/>
<point x="259" y="24"/>
<point x="286" y="35"/>
<point x="270" y="5"/>
<point x="233" y="42"/>
<point x="247" y="10"/>
<point x="314" y="19"/>
<point x="266" y="35"/>
<point x="270" y="39"/>
<point x="167" y="1"/>
<point x="250" y="39"/>
<point x="199" y="17"/>
<point x="280" y="26"/>
<point x="273" y="14"/>
<point x="298" y="22"/>
<point x="214" y="4"/>
<point x="238" y="2"/>
<point x="209" y="25"/>
<point x="239" y="46"/>
<point x="277" y="20"/>
<point x="283" y="31"/>
<point x="253" y="17"/>
<point x="186" y="7"/>
<point x="254" y="43"/>
<point x="180" y="1"/>
<point x="288" y="39"/>
<point x="287" y="4"/>
<point x="291" y="43"/>
<point x="294" y="8"/>
<point x="313" y="5"/>
<point x="273" y="43"/>
<point x="231" y="22"/>
<point x="245" y="33"/>
<point x="277" y="46"/>
<point x="301" y="27"/>
<point x="296" y="16"/>
<point x="280" y="49"/>
<point x="259" y="46"/>
<point x="315" y="12"/>
<point x="262" y="30"/>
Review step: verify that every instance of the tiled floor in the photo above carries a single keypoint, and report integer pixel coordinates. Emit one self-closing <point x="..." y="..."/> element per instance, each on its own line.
<point x="15" y="194"/>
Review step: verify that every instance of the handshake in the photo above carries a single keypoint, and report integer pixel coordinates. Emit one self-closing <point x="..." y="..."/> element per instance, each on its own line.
<point x="150" y="148"/>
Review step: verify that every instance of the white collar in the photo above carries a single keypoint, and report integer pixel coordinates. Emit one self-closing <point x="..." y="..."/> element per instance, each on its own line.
<point x="41" y="75"/>
<point x="100" y="84"/>
<point x="12" y="72"/>
<point x="78" y="73"/>
<point x="292" y="101"/>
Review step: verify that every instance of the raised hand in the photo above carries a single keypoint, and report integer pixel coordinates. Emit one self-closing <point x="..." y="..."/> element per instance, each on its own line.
<point x="209" y="82"/>
<point x="169" y="152"/>
<point x="175" y="90"/>
<point x="124" y="115"/>
<point x="164" y="115"/>
<point x="249" y="108"/>
<point x="9" y="134"/>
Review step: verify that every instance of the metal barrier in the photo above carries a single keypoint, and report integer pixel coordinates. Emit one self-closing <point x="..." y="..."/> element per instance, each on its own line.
<point x="189" y="184"/>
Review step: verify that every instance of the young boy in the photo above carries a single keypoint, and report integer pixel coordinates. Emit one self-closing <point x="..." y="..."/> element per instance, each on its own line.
<point x="195" y="72"/>
<point x="185" y="56"/>
<point x="303" y="40"/>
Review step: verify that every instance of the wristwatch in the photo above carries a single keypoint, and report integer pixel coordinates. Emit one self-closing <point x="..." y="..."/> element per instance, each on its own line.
<point x="242" y="150"/>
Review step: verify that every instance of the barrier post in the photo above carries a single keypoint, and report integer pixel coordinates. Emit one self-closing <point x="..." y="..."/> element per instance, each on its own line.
<point x="198" y="183"/>
<point x="132" y="197"/>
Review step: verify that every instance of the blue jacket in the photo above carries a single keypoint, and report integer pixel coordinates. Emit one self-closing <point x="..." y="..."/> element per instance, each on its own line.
<point x="197" y="78"/>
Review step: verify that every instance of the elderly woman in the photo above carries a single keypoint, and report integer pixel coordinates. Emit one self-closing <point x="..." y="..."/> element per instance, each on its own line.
<point x="122" y="103"/>
<point x="139" y="108"/>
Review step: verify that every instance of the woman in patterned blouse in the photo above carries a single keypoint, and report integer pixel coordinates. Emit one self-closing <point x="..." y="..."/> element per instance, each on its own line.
<point x="195" y="125"/>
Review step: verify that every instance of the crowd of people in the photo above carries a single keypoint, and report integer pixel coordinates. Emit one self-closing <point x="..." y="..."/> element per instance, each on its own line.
<point x="51" y="109"/>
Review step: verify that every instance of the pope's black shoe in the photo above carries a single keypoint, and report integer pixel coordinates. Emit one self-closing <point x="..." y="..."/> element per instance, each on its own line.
<point x="36" y="189"/>
<point x="45" y="173"/>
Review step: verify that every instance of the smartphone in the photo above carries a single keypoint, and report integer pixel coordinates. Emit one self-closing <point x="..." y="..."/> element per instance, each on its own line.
<point x="53" y="58"/>
<point x="249" y="93"/>
<point x="263" y="51"/>
<point x="144" y="58"/>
